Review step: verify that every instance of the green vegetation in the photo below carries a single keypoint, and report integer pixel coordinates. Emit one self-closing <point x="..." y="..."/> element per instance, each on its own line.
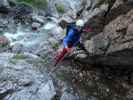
<point x="60" y="76"/>
<point x="16" y="57"/>
<point x="60" y="8"/>
<point x="4" y="45"/>
<point x="13" y="61"/>
<point x="100" y="2"/>
<point x="55" y="47"/>
<point x="45" y="59"/>
<point x="41" y="4"/>
<point x="19" y="56"/>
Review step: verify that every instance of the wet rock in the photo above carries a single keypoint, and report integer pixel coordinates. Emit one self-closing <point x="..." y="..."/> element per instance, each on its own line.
<point x="23" y="9"/>
<point x="35" y="26"/>
<point x="68" y="96"/>
<point x="39" y="19"/>
<point x="4" y="7"/>
<point x="4" y="10"/>
<point x="17" y="48"/>
<point x="4" y="3"/>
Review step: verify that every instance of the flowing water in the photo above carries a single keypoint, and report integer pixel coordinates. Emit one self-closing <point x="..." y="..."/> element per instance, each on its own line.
<point x="27" y="37"/>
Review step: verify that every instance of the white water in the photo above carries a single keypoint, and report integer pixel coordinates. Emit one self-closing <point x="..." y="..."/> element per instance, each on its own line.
<point x="29" y="38"/>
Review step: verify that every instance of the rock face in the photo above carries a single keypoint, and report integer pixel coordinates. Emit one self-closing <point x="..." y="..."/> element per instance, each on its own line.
<point x="113" y="44"/>
<point x="20" y="80"/>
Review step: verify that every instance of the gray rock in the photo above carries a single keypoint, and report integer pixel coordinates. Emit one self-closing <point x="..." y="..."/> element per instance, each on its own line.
<point x="68" y="96"/>
<point x="39" y="19"/>
<point x="57" y="33"/>
<point x="4" y="44"/>
<point x="53" y="41"/>
<point x="51" y="11"/>
<point x="112" y="45"/>
<point x="3" y="41"/>
<point x="4" y="3"/>
<point x="20" y="80"/>
<point x="35" y="25"/>
<point x="92" y="98"/>
<point x="47" y="92"/>
<point x="71" y="6"/>
<point x="17" y="48"/>
<point x="81" y="56"/>
<point x="23" y="9"/>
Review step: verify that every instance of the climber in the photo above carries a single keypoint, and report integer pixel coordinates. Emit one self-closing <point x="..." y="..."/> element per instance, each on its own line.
<point x="72" y="38"/>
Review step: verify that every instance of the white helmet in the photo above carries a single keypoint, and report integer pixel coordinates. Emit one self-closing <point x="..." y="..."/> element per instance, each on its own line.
<point x="80" y="23"/>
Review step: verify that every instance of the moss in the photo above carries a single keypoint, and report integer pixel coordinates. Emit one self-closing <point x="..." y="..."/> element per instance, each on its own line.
<point x="55" y="47"/>
<point x="4" y="45"/>
<point x="100" y="2"/>
<point x="1" y="46"/>
<point x="41" y="4"/>
<point x="45" y="59"/>
<point x="60" y="76"/>
<point x="13" y="61"/>
<point x="60" y="8"/>
<point x="19" y="56"/>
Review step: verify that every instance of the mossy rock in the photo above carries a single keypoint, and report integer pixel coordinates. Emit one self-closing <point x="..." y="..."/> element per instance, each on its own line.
<point x="100" y="2"/>
<point x="13" y="61"/>
<point x="19" y="56"/>
<point x="60" y="8"/>
<point x="60" y="76"/>
<point x="41" y="4"/>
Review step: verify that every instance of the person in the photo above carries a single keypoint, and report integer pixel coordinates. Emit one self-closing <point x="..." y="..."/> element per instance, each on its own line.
<point x="72" y="38"/>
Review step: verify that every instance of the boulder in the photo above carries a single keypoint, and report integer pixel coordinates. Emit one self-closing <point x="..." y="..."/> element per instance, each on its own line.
<point x="21" y="80"/>
<point x="17" y="48"/>
<point x="3" y="41"/>
<point x="4" y="3"/>
<point x="113" y="43"/>
<point x="35" y="26"/>
<point x="23" y="9"/>
<point x="4" y="7"/>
